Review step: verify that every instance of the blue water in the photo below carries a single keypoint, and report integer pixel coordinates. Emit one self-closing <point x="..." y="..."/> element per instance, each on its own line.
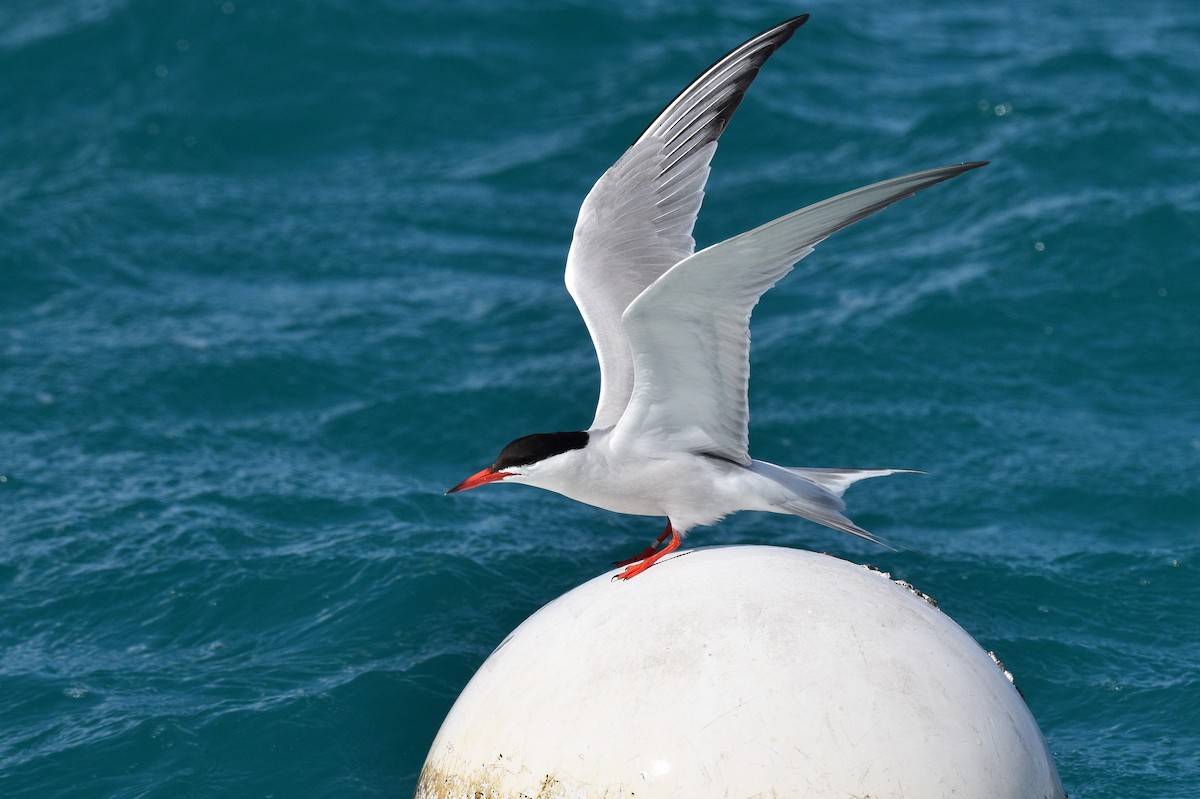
<point x="273" y="276"/>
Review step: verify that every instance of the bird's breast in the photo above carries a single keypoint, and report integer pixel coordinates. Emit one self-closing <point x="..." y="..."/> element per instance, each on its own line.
<point x="689" y="489"/>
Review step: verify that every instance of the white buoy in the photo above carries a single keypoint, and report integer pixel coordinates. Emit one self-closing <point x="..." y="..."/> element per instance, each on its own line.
<point x="740" y="672"/>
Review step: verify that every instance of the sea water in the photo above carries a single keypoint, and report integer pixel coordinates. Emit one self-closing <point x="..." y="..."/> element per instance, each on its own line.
<point x="274" y="276"/>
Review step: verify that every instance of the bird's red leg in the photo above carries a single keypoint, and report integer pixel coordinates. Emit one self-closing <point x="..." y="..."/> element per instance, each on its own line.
<point x="648" y="551"/>
<point x="637" y="568"/>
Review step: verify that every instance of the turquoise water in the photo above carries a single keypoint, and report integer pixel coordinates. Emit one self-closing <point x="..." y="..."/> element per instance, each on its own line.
<point x="276" y="275"/>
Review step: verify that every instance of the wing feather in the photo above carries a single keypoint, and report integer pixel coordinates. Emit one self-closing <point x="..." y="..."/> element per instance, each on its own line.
<point x="636" y="222"/>
<point x="689" y="330"/>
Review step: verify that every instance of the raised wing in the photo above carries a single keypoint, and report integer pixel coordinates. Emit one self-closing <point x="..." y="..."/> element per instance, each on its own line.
<point x="636" y="222"/>
<point x="689" y="330"/>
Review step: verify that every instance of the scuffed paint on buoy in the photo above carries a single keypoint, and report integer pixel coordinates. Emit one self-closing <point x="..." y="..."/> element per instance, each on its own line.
<point x="740" y="671"/>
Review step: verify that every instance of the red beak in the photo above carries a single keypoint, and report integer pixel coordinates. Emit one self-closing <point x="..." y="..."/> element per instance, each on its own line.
<point x="487" y="475"/>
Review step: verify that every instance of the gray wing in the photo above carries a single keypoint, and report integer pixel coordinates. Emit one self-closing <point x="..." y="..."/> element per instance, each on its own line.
<point x="636" y="222"/>
<point x="689" y="331"/>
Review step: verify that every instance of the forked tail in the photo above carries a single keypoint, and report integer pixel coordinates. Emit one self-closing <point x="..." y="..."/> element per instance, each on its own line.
<point x="817" y="494"/>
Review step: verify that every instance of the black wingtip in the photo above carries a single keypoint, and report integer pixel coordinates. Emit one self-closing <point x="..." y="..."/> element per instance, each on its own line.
<point x="782" y="31"/>
<point x="752" y="54"/>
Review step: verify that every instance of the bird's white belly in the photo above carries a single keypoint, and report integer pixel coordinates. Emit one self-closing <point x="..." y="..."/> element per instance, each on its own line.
<point x="690" y="490"/>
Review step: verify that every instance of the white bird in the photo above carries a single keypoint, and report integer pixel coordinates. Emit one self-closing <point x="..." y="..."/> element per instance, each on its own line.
<point x="671" y="331"/>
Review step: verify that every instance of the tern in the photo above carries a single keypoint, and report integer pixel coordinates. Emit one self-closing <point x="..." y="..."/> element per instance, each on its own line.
<point x="671" y="330"/>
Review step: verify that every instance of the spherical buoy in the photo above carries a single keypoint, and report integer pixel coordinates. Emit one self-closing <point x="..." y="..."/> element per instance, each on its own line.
<point x="740" y="671"/>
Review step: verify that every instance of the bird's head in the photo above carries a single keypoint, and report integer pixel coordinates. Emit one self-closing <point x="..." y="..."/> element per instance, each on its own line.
<point x="523" y="460"/>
